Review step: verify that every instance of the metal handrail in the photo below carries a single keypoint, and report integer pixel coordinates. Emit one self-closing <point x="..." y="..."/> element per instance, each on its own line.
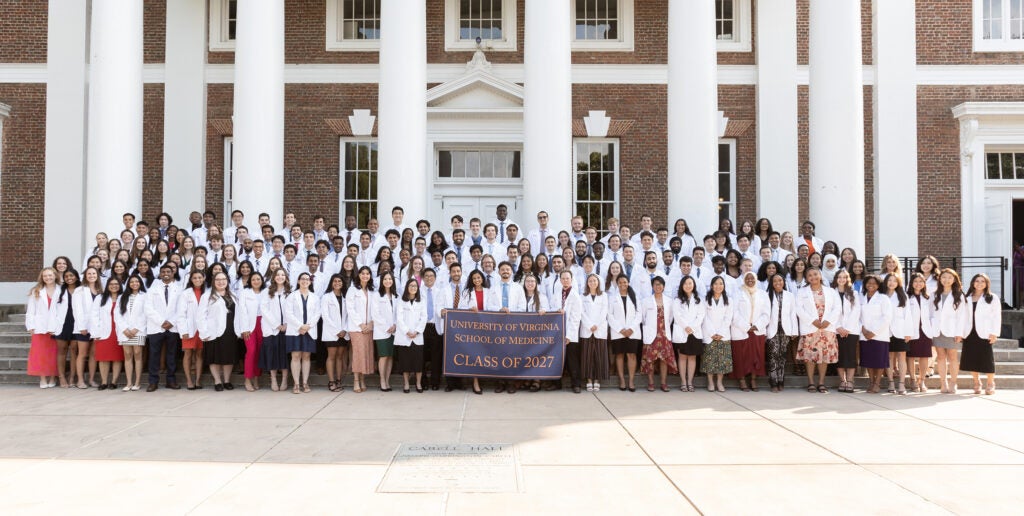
<point x="961" y="264"/>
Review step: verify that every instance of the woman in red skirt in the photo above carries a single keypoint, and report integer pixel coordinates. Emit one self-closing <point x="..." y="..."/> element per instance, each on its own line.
<point x="188" y="308"/>
<point x="751" y="313"/>
<point x="105" y="346"/>
<point x="249" y="322"/>
<point x="42" y="355"/>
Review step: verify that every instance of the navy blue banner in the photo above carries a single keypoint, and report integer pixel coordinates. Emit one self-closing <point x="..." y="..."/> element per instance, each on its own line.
<point x="500" y="345"/>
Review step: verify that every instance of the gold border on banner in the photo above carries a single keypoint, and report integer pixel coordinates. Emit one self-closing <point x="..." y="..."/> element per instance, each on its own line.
<point x="444" y="369"/>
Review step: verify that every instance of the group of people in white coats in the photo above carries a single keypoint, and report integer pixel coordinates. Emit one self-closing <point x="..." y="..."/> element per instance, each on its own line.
<point x="743" y="304"/>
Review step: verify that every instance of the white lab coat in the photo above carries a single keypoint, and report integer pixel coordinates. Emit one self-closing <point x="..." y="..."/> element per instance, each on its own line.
<point x="950" y="321"/>
<point x="621" y="317"/>
<point x="898" y="326"/>
<point x="272" y="310"/>
<point x="382" y="313"/>
<point x="573" y="309"/>
<point x="134" y="318"/>
<point x="492" y="300"/>
<point x="212" y="318"/>
<point x="542" y="300"/>
<point x="358" y="308"/>
<point x="158" y="310"/>
<point x="334" y="316"/>
<point x="876" y="316"/>
<point x="807" y="312"/>
<point x="988" y="316"/>
<point x="649" y="308"/>
<point x="516" y="297"/>
<point x="410" y="316"/>
<point x="790" y="327"/>
<point x="594" y="313"/>
<point x="247" y="309"/>
<point x="187" y="314"/>
<point x="84" y="303"/>
<point x="849" y="313"/>
<point x="742" y="310"/>
<point x="58" y="311"/>
<point x="717" y="319"/>
<point x="293" y="313"/>
<point x="38" y="310"/>
<point x="640" y="280"/>
<point x="919" y="317"/>
<point x="689" y="315"/>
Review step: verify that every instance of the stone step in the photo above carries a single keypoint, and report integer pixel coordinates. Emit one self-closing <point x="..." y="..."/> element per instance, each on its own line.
<point x="16" y="318"/>
<point x="12" y="327"/>
<point x="964" y="382"/>
<point x="1010" y="368"/>
<point x="1009" y="355"/>
<point x="16" y="338"/>
<point x="1006" y="344"/>
<point x="18" y="364"/>
<point x="14" y="350"/>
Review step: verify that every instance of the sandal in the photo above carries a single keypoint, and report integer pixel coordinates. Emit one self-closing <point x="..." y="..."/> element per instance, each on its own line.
<point x="990" y="389"/>
<point x="295" y="390"/>
<point x="650" y="387"/>
<point x="812" y="388"/>
<point x="900" y="389"/>
<point x="822" y="389"/>
<point x="664" y="388"/>
<point x="305" y="388"/>
<point x="689" y="388"/>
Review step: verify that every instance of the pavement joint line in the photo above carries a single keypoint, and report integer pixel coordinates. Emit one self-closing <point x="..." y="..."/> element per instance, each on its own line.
<point x="851" y="462"/>
<point x="648" y="455"/>
<point x="462" y="417"/>
<point x="954" y="430"/>
<point x="249" y="464"/>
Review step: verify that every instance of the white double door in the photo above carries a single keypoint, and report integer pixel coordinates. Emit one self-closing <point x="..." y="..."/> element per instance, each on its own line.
<point x="483" y="207"/>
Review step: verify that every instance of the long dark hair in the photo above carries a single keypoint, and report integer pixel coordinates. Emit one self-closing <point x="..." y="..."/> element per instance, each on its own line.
<point x="106" y="289"/>
<point x="406" y="296"/>
<point x="910" y="287"/>
<point x="358" y="283"/>
<point x="987" y="293"/>
<point x="850" y="296"/>
<point x="64" y="285"/>
<point x="469" y="280"/>
<point x="711" y="291"/>
<point x="536" y="292"/>
<point x="394" y="284"/>
<point x="127" y="292"/>
<point x="901" y="294"/>
<point x="681" y="295"/>
<point x="957" y="289"/>
<point x="771" y="288"/>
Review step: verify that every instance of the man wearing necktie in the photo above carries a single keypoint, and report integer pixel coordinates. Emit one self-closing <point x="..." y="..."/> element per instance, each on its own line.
<point x="163" y="336"/>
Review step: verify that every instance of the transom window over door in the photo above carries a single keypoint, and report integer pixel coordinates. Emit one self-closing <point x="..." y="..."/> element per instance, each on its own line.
<point x="479" y="164"/>
<point x="998" y="25"/>
<point x="493" y="21"/>
<point x="359" y="180"/>
<point x="597" y="182"/>
<point x="1004" y="165"/>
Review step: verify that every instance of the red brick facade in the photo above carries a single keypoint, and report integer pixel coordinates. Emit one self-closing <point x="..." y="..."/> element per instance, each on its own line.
<point x="312" y="147"/>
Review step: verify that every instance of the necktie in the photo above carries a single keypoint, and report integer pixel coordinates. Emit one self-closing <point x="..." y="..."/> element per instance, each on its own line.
<point x="430" y="304"/>
<point x="598" y="268"/>
<point x="289" y="267"/>
<point x="349" y="237"/>
<point x="668" y="269"/>
<point x="504" y="295"/>
<point x="615" y="256"/>
<point x="543" y="237"/>
<point x="501" y="231"/>
<point x="167" y="294"/>
<point x="476" y="266"/>
<point x="458" y="253"/>
<point x="257" y="263"/>
<point x="652" y="283"/>
<point x="629" y="270"/>
<point x="490" y="249"/>
<point x="698" y="272"/>
<point x="455" y="296"/>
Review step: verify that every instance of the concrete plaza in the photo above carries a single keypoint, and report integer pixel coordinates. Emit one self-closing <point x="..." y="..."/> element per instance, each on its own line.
<point x="203" y="452"/>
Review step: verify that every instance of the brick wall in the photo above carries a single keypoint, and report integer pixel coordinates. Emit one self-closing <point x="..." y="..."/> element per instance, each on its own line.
<point x="154" y="22"/>
<point x="643" y="153"/>
<point x="945" y="35"/>
<point x="219" y="106"/>
<point x="938" y="146"/>
<point x="21" y="179"/>
<point x="738" y="103"/>
<point x="23" y="31"/>
<point x="152" y="151"/>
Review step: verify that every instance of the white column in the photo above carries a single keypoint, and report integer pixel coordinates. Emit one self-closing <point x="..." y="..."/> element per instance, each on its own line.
<point x="402" y="106"/>
<point x="693" y="130"/>
<point x="895" y="127"/>
<point x="185" y="109"/>
<point x="548" y="171"/>
<point x="63" y="219"/>
<point x="258" y="123"/>
<point x="836" y="121"/>
<point x="777" y="190"/>
<point x="114" y="181"/>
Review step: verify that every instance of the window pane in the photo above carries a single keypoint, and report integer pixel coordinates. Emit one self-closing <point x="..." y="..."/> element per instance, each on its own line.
<point x="723" y="157"/>
<point x="350" y="185"/>
<point x="609" y="157"/>
<point x="473" y="165"/>
<point x="724" y="190"/>
<point x="992" y="166"/>
<point x="609" y="187"/>
<point x="444" y="164"/>
<point x="1018" y="165"/>
<point x="582" y="187"/>
<point x="595" y="186"/>
<point x="1006" y="164"/>
<point x="458" y="164"/>
<point x="516" y="163"/>
<point x="373" y="156"/>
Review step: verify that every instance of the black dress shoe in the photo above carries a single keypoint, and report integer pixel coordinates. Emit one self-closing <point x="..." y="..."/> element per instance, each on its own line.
<point x="173" y="386"/>
<point x="500" y="388"/>
<point x="419" y="390"/>
<point x="435" y="387"/>
<point x="576" y="389"/>
<point x="102" y="387"/>
<point x="111" y="386"/>
<point x="448" y="388"/>
<point x="218" y="387"/>
<point x="229" y="386"/>
<point x="405" y="390"/>
<point x="480" y="392"/>
<point x="151" y="387"/>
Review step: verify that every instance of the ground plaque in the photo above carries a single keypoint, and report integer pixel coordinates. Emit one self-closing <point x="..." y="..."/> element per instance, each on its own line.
<point x="461" y="468"/>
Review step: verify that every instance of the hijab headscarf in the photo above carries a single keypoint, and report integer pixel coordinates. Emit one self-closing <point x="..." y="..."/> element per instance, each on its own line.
<point x="829" y="273"/>
<point x="750" y="292"/>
